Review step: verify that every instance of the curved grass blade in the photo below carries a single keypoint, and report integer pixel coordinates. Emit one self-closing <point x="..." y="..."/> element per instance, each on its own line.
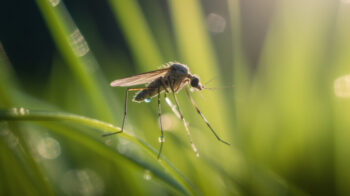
<point x="22" y="114"/>
<point x="93" y="145"/>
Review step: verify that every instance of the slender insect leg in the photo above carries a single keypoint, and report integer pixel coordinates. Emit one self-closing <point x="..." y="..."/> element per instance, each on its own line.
<point x="185" y="123"/>
<point x="161" y="139"/>
<point x="162" y="80"/>
<point x="172" y="106"/>
<point x="125" y="110"/>
<point x="205" y="120"/>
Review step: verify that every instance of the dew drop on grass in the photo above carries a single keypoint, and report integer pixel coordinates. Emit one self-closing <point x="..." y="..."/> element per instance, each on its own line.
<point x="148" y="100"/>
<point x="147" y="175"/>
<point x="161" y="139"/>
<point x="23" y="111"/>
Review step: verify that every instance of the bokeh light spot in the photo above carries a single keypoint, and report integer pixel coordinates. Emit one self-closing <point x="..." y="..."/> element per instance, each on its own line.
<point x="54" y="3"/>
<point x="169" y="122"/>
<point x="49" y="148"/>
<point x="147" y="175"/>
<point x="342" y="86"/>
<point x="82" y="182"/>
<point x="78" y="43"/>
<point x="216" y="23"/>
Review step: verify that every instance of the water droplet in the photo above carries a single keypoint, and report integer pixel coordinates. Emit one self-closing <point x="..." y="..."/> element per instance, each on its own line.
<point x="148" y="100"/>
<point x="23" y="111"/>
<point x="161" y="139"/>
<point x="195" y="149"/>
<point x="147" y="175"/>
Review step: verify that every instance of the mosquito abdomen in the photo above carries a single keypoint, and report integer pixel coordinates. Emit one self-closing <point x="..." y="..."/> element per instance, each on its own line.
<point x="145" y="94"/>
<point x="140" y="96"/>
<point x="152" y="90"/>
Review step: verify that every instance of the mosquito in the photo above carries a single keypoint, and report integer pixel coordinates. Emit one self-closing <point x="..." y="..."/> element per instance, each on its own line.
<point x="170" y="79"/>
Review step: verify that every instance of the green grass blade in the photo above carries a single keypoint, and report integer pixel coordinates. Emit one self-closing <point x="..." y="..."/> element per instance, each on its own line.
<point x="74" y="49"/>
<point x="8" y="82"/>
<point x="22" y="114"/>
<point x="137" y="33"/>
<point x="196" y="51"/>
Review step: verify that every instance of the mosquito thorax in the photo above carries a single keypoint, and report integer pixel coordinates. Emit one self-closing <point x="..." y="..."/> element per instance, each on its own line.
<point x="179" y="69"/>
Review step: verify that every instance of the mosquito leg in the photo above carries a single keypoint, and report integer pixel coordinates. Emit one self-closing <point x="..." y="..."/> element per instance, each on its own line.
<point x="205" y="120"/>
<point x="185" y="123"/>
<point x="125" y="110"/>
<point x="161" y="139"/>
<point x="162" y="80"/>
<point x="172" y="106"/>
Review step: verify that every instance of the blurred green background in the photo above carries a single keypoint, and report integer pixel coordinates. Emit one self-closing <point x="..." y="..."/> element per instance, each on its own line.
<point x="286" y="115"/>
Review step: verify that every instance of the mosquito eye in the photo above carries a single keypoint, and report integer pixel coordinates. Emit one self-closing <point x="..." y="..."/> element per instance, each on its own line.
<point x="194" y="82"/>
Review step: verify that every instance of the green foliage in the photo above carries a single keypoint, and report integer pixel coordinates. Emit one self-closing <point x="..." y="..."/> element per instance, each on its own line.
<point x="286" y="119"/>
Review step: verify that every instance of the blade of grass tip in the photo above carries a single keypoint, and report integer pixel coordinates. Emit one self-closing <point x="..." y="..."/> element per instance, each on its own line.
<point x="8" y="81"/>
<point x="23" y="114"/>
<point x="137" y="33"/>
<point x="110" y="153"/>
<point x="76" y="52"/>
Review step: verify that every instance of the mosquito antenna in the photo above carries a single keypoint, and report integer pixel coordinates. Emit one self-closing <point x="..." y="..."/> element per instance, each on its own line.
<point x="210" y="80"/>
<point x="216" y="88"/>
<point x="205" y="120"/>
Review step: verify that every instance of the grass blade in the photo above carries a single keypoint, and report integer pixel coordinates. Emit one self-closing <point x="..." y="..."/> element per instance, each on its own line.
<point x="22" y="114"/>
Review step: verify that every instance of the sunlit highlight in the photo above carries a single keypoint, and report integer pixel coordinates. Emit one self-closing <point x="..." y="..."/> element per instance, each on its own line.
<point x="147" y="175"/>
<point x="342" y="86"/>
<point x="49" y="148"/>
<point x="54" y="3"/>
<point x="216" y="23"/>
<point x="78" y="43"/>
<point x="169" y="122"/>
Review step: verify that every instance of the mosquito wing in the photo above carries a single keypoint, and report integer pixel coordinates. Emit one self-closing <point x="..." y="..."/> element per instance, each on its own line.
<point x="140" y="78"/>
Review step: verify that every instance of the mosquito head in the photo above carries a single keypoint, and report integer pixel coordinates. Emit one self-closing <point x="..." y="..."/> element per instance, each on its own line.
<point x="195" y="83"/>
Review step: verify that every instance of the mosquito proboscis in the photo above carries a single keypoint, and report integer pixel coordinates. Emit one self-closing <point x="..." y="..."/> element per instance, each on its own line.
<point x="169" y="79"/>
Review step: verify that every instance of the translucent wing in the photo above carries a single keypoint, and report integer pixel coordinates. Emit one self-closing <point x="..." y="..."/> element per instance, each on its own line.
<point x="140" y="78"/>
